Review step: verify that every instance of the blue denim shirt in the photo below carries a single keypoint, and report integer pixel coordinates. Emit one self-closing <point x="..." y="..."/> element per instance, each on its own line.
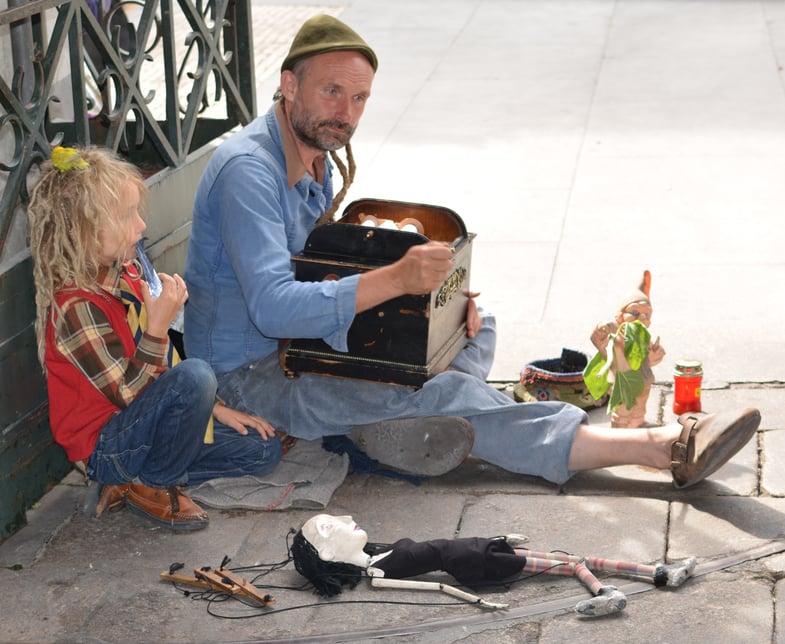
<point x="247" y="224"/>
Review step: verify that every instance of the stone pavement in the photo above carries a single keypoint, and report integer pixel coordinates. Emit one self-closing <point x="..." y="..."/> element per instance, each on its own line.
<point x="80" y="580"/>
<point x="583" y="141"/>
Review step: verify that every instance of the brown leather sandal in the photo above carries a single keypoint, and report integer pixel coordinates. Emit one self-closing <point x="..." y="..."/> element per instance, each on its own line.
<point x="709" y="441"/>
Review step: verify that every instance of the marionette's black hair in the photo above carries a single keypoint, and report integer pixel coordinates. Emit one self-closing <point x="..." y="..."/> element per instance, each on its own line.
<point x="328" y="577"/>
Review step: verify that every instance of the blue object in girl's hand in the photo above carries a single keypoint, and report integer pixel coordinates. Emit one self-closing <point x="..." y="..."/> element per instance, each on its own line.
<point x="150" y="275"/>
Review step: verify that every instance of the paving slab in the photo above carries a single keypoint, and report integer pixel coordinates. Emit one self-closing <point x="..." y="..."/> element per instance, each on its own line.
<point x="708" y="527"/>
<point x="773" y="465"/>
<point x="779" y="611"/>
<point x="698" y="611"/>
<point x="626" y="529"/>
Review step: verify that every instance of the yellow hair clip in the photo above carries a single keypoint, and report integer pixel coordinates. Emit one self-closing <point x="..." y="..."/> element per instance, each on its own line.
<point x="65" y="159"/>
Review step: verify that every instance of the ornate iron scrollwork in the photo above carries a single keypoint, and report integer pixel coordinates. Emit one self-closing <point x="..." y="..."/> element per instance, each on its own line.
<point x="120" y="60"/>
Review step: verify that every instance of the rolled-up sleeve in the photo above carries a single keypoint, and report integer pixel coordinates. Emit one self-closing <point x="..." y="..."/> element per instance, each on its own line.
<point x="346" y="301"/>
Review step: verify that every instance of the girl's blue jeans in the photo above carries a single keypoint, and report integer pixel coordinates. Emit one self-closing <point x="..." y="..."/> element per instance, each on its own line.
<point x="159" y="438"/>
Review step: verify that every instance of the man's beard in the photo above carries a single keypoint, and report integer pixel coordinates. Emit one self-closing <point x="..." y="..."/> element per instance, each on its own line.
<point x="312" y="133"/>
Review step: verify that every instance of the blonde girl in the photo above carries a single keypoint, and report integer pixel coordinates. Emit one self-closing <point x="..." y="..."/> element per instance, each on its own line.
<point x="119" y="404"/>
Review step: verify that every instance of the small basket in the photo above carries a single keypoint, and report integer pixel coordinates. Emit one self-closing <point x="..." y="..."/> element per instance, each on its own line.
<point x="559" y="379"/>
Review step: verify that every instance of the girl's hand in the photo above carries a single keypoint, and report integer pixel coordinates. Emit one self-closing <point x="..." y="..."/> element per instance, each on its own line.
<point x="162" y="310"/>
<point x="240" y="421"/>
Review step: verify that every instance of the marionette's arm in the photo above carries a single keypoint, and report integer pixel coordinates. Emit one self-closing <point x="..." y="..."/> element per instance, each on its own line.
<point x="378" y="581"/>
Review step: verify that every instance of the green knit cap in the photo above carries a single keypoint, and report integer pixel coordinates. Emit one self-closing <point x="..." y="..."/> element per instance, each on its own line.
<point x="322" y="34"/>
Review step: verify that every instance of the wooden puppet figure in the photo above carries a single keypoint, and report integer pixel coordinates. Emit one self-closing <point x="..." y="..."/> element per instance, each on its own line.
<point x="333" y="552"/>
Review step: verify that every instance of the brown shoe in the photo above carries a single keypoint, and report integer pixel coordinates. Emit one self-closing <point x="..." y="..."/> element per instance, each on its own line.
<point x="708" y="441"/>
<point x="171" y="507"/>
<point x="112" y="498"/>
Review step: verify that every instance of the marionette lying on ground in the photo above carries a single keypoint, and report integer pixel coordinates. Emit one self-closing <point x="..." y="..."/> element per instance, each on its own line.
<point x="333" y="552"/>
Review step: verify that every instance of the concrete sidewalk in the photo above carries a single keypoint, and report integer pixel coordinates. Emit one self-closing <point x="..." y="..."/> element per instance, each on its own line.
<point x="583" y="141"/>
<point x="80" y="580"/>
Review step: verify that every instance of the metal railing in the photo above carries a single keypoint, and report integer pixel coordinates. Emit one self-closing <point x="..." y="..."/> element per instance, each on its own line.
<point x="153" y="80"/>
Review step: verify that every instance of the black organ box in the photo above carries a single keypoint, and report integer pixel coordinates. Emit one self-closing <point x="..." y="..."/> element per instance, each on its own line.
<point x="405" y="340"/>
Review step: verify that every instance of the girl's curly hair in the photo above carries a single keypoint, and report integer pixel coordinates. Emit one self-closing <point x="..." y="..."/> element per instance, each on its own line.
<point x="67" y="210"/>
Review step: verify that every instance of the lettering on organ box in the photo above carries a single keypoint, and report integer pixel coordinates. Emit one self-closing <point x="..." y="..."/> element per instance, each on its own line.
<point x="451" y="286"/>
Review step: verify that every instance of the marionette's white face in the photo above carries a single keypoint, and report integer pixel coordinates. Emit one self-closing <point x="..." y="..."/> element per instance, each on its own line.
<point x="337" y="539"/>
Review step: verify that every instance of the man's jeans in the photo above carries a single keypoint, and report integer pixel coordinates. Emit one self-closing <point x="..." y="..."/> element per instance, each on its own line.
<point x="528" y="438"/>
<point x="159" y="438"/>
